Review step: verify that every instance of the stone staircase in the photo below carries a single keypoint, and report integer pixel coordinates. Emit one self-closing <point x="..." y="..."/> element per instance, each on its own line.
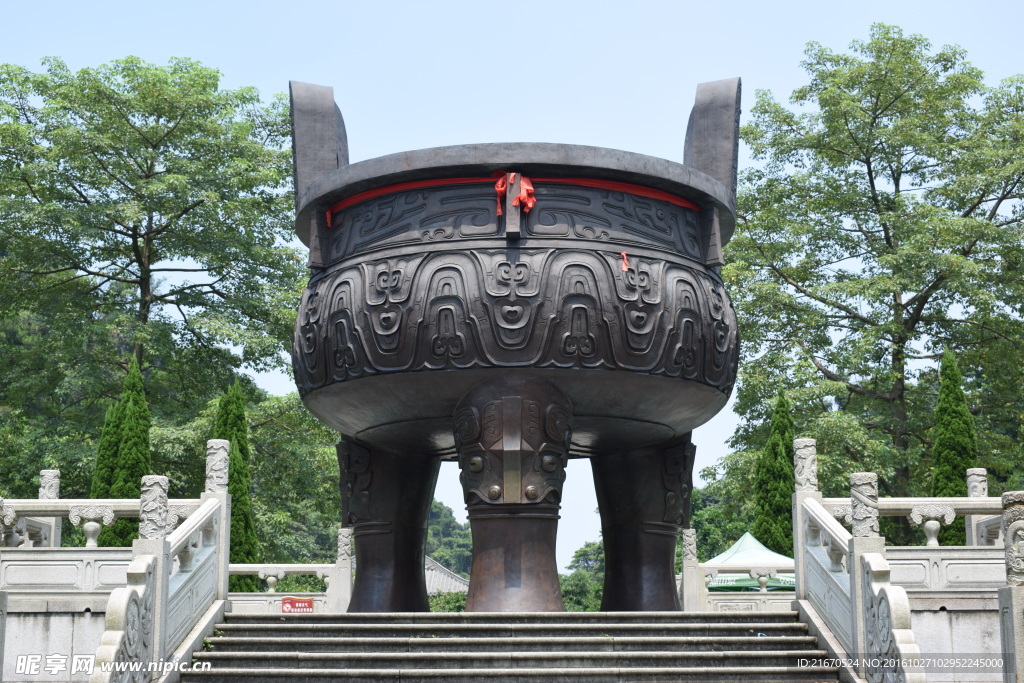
<point x="508" y="647"/>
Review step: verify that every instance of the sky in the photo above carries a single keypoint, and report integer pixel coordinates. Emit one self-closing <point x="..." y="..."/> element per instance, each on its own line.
<point x="410" y="75"/>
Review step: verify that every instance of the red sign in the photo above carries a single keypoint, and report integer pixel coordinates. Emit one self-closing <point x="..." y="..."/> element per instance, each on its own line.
<point x="291" y="605"/>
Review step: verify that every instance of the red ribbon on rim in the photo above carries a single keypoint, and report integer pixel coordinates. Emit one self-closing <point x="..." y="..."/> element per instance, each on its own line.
<point x="525" y="197"/>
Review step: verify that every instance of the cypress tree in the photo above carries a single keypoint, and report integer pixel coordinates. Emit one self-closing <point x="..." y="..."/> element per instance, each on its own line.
<point x="106" y="453"/>
<point x="775" y="483"/>
<point x="123" y="457"/>
<point x="231" y="424"/>
<point x="955" y="446"/>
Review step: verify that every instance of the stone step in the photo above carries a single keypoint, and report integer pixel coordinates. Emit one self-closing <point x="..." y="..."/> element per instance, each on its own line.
<point x="509" y="630"/>
<point x="504" y="660"/>
<point x="731" y="674"/>
<point x="519" y="618"/>
<point x="523" y="644"/>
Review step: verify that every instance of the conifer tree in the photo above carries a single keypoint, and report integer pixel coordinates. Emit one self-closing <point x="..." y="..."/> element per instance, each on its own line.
<point x="955" y="446"/>
<point x="106" y="453"/>
<point x="774" y="482"/>
<point x="231" y="424"/>
<point x="123" y="457"/>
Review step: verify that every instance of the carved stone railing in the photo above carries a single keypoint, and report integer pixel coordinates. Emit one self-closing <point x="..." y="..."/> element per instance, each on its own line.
<point x="186" y="575"/>
<point x="888" y="641"/>
<point x="982" y="512"/>
<point x="337" y="577"/>
<point x="1011" y="596"/>
<point x="822" y="577"/>
<point x="91" y="514"/>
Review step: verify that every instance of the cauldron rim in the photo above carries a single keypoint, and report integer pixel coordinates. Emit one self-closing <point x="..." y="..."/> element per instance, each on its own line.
<point x="549" y="159"/>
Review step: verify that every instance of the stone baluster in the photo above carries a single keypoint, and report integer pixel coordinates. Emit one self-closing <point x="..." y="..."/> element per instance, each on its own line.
<point x="153" y="508"/>
<point x="763" y="574"/>
<point x="933" y="515"/>
<point x="93" y="516"/>
<point x="1011" y="598"/>
<point x="977" y="487"/>
<point x="49" y="489"/>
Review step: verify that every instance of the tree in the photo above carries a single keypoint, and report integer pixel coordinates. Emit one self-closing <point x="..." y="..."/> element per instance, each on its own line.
<point x="956" y="445"/>
<point x="448" y="541"/>
<point x="123" y="458"/>
<point x="231" y="424"/>
<point x="774" y="482"/>
<point x="884" y="224"/>
<point x="155" y="205"/>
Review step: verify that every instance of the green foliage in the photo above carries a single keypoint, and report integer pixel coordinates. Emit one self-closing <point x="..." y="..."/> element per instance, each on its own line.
<point x="449" y="542"/>
<point x="956" y="445"/>
<point x="589" y="557"/>
<point x="124" y="458"/>
<point x="883" y="224"/>
<point x="231" y="424"/>
<point x="447" y="602"/>
<point x="581" y="591"/>
<point x="723" y="509"/>
<point x="146" y="212"/>
<point x="774" y="482"/>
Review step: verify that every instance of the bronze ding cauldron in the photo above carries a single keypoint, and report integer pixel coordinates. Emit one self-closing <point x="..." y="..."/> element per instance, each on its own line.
<point x="513" y="306"/>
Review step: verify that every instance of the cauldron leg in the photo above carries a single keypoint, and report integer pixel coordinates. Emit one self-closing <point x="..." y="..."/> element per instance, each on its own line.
<point x="644" y="497"/>
<point x="513" y="441"/>
<point x="386" y="500"/>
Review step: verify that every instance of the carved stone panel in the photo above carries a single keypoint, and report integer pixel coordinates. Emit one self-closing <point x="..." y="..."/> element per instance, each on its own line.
<point x="864" y="503"/>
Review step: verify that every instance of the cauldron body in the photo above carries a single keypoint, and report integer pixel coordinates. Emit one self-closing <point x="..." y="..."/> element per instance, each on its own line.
<point x="513" y="330"/>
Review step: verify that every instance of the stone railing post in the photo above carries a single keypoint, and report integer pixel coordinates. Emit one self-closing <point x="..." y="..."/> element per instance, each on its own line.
<point x="692" y="583"/>
<point x="152" y="542"/>
<point x="977" y="487"/>
<point x="339" y="577"/>
<point x="153" y="508"/>
<point x="805" y="469"/>
<point x="3" y="627"/>
<point x="864" y="511"/>
<point x="217" y="451"/>
<point x="1011" y="598"/>
<point x="49" y="489"/>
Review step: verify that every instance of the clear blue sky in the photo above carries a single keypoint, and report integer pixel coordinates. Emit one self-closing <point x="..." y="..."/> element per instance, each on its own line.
<point x="409" y="75"/>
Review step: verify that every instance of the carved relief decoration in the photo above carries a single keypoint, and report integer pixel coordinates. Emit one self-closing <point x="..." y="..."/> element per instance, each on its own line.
<point x="864" y="502"/>
<point x="482" y="308"/>
<point x="690" y="544"/>
<point x="153" y="509"/>
<point x="514" y="441"/>
<point x="344" y="546"/>
<point x="217" y="453"/>
<point x="936" y="511"/>
<point x="1013" y="536"/>
<point x="887" y="633"/>
<point x="49" y="484"/>
<point x="354" y="462"/>
<point x="128" y="637"/>
<point x="419" y="218"/>
<point x="977" y="482"/>
<point x="805" y="464"/>
<point x="91" y="512"/>
<point x="676" y="479"/>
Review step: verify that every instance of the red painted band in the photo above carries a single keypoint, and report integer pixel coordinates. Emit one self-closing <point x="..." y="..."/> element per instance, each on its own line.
<point x="612" y="185"/>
